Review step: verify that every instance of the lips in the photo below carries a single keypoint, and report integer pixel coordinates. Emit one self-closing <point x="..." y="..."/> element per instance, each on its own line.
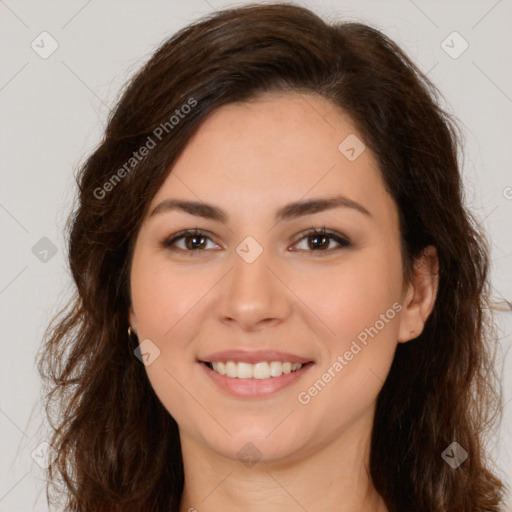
<point x="260" y="383"/>
<point x="253" y="357"/>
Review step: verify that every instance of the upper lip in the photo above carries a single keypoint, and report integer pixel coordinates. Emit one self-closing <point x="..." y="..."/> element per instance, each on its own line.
<point x="252" y="357"/>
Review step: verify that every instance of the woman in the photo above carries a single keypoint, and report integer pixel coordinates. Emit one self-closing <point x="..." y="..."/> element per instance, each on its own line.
<point x="280" y="294"/>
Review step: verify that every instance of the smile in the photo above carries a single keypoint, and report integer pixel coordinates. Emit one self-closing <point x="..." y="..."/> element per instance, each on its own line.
<point x="262" y="370"/>
<point x="258" y="380"/>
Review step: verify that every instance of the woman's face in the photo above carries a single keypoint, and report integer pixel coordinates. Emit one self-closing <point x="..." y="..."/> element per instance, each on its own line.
<point x="256" y="283"/>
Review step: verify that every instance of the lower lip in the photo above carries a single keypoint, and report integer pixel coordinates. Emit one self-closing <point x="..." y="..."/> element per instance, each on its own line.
<point x="255" y="387"/>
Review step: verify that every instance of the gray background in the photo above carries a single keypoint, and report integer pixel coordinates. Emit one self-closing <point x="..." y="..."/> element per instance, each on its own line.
<point x="53" y="113"/>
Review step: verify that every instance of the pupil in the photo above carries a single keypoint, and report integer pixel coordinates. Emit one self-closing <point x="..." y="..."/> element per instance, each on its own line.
<point x="193" y="245"/>
<point x="317" y="237"/>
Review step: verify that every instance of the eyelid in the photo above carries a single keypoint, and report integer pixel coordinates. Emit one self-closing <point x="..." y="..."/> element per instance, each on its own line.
<point x="342" y="240"/>
<point x="169" y="241"/>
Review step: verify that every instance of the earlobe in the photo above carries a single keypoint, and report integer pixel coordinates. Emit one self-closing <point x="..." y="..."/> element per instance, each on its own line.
<point x="420" y="295"/>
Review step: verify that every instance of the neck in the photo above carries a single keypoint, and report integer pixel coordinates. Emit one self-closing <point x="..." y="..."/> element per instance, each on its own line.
<point x="331" y="475"/>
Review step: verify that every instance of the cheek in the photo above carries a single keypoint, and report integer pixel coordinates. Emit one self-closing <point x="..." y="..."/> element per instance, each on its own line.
<point x="169" y="304"/>
<point x="361" y="305"/>
<point x="162" y="301"/>
<point x="161" y="296"/>
<point x="353" y="295"/>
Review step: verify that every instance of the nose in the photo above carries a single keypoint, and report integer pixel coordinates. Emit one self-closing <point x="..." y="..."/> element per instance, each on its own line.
<point x="254" y="297"/>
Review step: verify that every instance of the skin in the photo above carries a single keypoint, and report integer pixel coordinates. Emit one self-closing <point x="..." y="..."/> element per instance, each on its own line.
<point x="250" y="159"/>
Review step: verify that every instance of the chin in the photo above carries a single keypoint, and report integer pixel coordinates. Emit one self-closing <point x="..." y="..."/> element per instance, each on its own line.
<point x="258" y="444"/>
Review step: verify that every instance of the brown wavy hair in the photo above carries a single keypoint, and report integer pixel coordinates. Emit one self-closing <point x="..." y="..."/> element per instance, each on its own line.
<point x="117" y="447"/>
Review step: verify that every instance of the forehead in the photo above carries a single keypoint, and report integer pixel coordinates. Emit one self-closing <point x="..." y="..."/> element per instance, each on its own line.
<point x="274" y="149"/>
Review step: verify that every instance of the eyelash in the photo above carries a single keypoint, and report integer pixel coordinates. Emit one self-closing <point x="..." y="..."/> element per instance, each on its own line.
<point x="168" y="243"/>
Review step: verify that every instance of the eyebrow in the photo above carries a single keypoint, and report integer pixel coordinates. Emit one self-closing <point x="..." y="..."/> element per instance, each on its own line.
<point x="287" y="212"/>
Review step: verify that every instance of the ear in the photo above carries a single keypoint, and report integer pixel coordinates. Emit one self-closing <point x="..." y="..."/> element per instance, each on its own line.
<point x="132" y="319"/>
<point x="420" y="295"/>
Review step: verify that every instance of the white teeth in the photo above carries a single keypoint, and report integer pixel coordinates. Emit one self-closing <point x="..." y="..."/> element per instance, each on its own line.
<point x="276" y="368"/>
<point x="231" y="369"/>
<point x="221" y="368"/>
<point x="244" y="371"/>
<point x="262" y="370"/>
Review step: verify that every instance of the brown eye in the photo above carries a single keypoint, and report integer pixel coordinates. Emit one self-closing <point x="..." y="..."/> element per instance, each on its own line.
<point x="321" y="241"/>
<point x="195" y="241"/>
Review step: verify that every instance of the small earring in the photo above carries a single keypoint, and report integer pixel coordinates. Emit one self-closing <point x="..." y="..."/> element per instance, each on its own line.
<point x="130" y="331"/>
